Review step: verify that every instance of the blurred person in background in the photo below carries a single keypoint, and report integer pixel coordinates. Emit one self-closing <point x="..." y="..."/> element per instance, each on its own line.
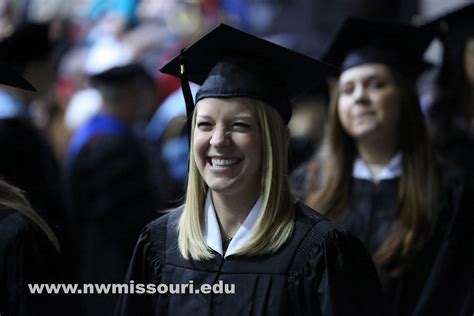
<point x="451" y="115"/>
<point x="112" y="194"/>
<point x="28" y="247"/>
<point x="169" y="140"/>
<point x="451" y="121"/>
<point x="27" y="160"/>
<point x="377" y="174"/>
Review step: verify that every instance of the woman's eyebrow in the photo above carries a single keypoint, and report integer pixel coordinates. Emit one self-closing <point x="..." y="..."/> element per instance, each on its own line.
<point x="203" y="117"/>
<point x="243" y="116"/>
<point x="362" y="78"/>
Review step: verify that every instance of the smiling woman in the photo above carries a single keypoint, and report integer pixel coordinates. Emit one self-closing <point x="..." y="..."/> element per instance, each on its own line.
<point x="369" y="103"/>
<point x="239" y="223"/>
<point x="378" y="175"/>
<point x="256" y="135"/>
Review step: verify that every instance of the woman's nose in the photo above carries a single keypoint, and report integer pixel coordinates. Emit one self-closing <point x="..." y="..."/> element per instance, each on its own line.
<point x="219" y="138"/>
<point x="360" y="94"/>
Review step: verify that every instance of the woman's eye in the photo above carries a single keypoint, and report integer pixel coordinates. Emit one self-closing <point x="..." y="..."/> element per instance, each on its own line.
<point x="346" y="90"/>
<point x="377" y="84"/>
<point x="203" y="125"/>
<point x="240" y="126"/>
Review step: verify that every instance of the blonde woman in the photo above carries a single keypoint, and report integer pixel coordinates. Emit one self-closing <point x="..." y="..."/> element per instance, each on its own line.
<point x="240" y="228"/>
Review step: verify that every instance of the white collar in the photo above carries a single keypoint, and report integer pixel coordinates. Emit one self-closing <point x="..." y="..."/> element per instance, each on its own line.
<point x="392" y="170"/>
<point x="213" y="233"/>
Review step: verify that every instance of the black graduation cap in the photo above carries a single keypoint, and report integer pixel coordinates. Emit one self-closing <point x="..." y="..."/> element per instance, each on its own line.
<point x="360" y="41"/>
<point x="10" y="77"/>
<point x="119" y="75"/>
<point x="29" y="42"/>
<point x="454" y="27"/>
<point x="227" y="62"/>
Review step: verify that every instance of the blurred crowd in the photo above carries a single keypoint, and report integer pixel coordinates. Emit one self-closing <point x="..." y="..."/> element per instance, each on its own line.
<point x="101" y="148"/>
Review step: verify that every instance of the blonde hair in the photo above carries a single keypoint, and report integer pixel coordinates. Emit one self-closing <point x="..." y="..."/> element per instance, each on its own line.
<point x="14" y="199"/>
<point x="275" y="223"/>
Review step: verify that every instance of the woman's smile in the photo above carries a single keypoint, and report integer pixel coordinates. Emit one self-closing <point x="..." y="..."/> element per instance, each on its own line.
<point x="223" y="163"/>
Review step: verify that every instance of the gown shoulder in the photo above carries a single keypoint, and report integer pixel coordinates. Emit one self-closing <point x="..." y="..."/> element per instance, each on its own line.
<point x="332" y="271"/>
<point x="26" y="257"/>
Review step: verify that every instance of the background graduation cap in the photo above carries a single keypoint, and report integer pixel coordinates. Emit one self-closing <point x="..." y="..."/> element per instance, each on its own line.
<point x="230" y="63"/>
<point x="30" y="41"/>
<point x="361" y="41"/>
<point x="10" y="77"/>
<point x="454" y="27"/>
<point x="119" y="75"/>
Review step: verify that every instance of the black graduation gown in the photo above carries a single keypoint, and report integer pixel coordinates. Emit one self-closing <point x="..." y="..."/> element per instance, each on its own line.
<point x="112" y="199"/>
<point x="449" y="289"/>
<point x="372" y="211"/>
<point x="370" y="217"/>
<point x="27" y="162"/>
<point x="453" y="142"/>
<point x="26" y="256"/>
<point x="321" y="270"/>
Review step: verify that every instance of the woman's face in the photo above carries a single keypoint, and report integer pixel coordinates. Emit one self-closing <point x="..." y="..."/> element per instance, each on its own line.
<point x="369" y="102"/>
<point x="469" y="61"/>
<point x="227" y="145"/>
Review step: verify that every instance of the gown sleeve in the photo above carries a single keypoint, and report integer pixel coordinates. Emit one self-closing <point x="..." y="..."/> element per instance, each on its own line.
<point x="449" y="289"/>
<point x="333" y="274"/>
<point x="145" y="268"/>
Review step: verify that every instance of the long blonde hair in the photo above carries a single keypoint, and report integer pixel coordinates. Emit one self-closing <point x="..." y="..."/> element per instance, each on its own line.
<point x="418" y="186"/>
<point x="13" y="198"/>
<point x="276" y="220"/>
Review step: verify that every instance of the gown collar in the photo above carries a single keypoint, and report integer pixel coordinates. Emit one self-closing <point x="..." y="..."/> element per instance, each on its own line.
<point x="213" y="234"/>
<point x="392" y="170"/>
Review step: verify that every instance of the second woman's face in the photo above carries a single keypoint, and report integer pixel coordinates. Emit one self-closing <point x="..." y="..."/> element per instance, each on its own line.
<point x="227" y="145"/>
<point x="369" y="102"/>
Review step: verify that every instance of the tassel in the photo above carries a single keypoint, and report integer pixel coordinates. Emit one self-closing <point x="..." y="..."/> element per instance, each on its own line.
<point x="188" y="97"/>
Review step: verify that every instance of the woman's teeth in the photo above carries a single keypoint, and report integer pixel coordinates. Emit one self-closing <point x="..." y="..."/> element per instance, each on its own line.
<point x="223" y="162"/>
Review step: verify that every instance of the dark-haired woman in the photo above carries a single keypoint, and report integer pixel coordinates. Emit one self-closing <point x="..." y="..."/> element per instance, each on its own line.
<point x="377" y="174"/>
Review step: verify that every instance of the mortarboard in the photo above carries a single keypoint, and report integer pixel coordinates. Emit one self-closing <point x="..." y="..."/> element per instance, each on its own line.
<point x="454" y="27"/>
<point x="120" y="75"/>
<point x="361" y="41"/>
<point x="10" y="77"/>
<point x="29" y="42"/>
<point x="227" y="62"/>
